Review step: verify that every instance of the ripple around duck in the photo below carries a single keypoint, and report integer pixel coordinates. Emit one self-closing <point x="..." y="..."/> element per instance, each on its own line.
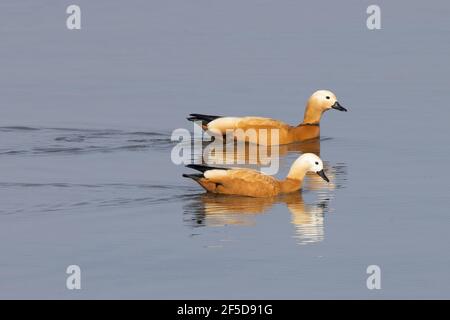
<point x="71" y="141"/>
<point x="65" y="197"/>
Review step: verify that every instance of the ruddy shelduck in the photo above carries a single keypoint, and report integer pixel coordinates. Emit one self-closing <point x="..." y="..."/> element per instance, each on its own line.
<point x="252" y="183"/>
<point x="319" y="102"/>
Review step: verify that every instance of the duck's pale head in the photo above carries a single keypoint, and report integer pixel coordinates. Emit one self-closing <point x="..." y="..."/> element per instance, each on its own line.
<point x="307" y="162"/>
<point x="319" y="102"/>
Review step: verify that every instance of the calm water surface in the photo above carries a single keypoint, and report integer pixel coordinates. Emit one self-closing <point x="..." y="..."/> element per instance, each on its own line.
<point x="86" y="177"/>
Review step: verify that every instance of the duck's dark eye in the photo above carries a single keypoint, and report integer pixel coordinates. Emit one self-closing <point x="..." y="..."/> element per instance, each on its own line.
<point x="317" y="163"/>
<point x="328" y="97"/>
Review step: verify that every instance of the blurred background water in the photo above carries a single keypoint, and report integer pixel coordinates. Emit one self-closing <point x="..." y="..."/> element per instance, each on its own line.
<point x="85" y="170"/>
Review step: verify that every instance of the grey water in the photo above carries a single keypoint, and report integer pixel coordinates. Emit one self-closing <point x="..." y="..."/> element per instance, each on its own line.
<point x="86" y="176"/>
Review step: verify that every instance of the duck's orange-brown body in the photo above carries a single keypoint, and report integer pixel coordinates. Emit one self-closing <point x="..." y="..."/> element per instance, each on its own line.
<point x="263" y="131"/>
<point x="246" y="182"/>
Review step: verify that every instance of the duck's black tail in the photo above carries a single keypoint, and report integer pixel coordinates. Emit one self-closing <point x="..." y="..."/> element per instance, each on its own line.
<point x="203" y="168"/>
<point x="204" y="118"/>
<point x="195" y="176"/>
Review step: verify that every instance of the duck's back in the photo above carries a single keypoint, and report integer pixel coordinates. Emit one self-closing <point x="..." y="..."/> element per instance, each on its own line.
<point x="261" y="123"/>
<point x="250" y="129"/>
<point x="243" y="182"/>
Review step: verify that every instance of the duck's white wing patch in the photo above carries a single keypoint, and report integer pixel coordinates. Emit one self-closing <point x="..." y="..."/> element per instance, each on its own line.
<point x="223" y="124"/>
<point x="215" y="174"/>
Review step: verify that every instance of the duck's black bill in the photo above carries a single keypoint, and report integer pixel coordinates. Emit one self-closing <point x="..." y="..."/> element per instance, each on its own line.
<point x="337" y="106"/>
<point x="321" y="173"/>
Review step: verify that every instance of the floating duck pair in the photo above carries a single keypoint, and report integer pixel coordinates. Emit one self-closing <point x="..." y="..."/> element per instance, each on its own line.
<point x="246" y="182"/>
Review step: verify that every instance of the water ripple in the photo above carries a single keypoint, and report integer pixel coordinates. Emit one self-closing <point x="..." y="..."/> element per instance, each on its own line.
<point x="72" y="141"/>
<point x="64" y="197"/>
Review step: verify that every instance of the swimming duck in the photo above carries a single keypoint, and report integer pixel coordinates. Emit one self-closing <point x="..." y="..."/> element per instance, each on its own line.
<point x="252" y="183"/>
<point x="319" y="102"/>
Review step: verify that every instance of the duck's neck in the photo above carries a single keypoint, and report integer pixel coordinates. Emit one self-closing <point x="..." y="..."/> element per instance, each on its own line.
<point x="294" y="180"/>
<point x="312" y="115"/>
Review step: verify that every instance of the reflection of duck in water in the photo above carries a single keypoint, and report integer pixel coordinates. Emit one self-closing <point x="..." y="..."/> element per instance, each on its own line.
<point x="319" y="102"/>
<point x="247" y="153"/>
<point x="252" y="183"/>
<point x="218" y="210"/>
<point x="308" y="220"/>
